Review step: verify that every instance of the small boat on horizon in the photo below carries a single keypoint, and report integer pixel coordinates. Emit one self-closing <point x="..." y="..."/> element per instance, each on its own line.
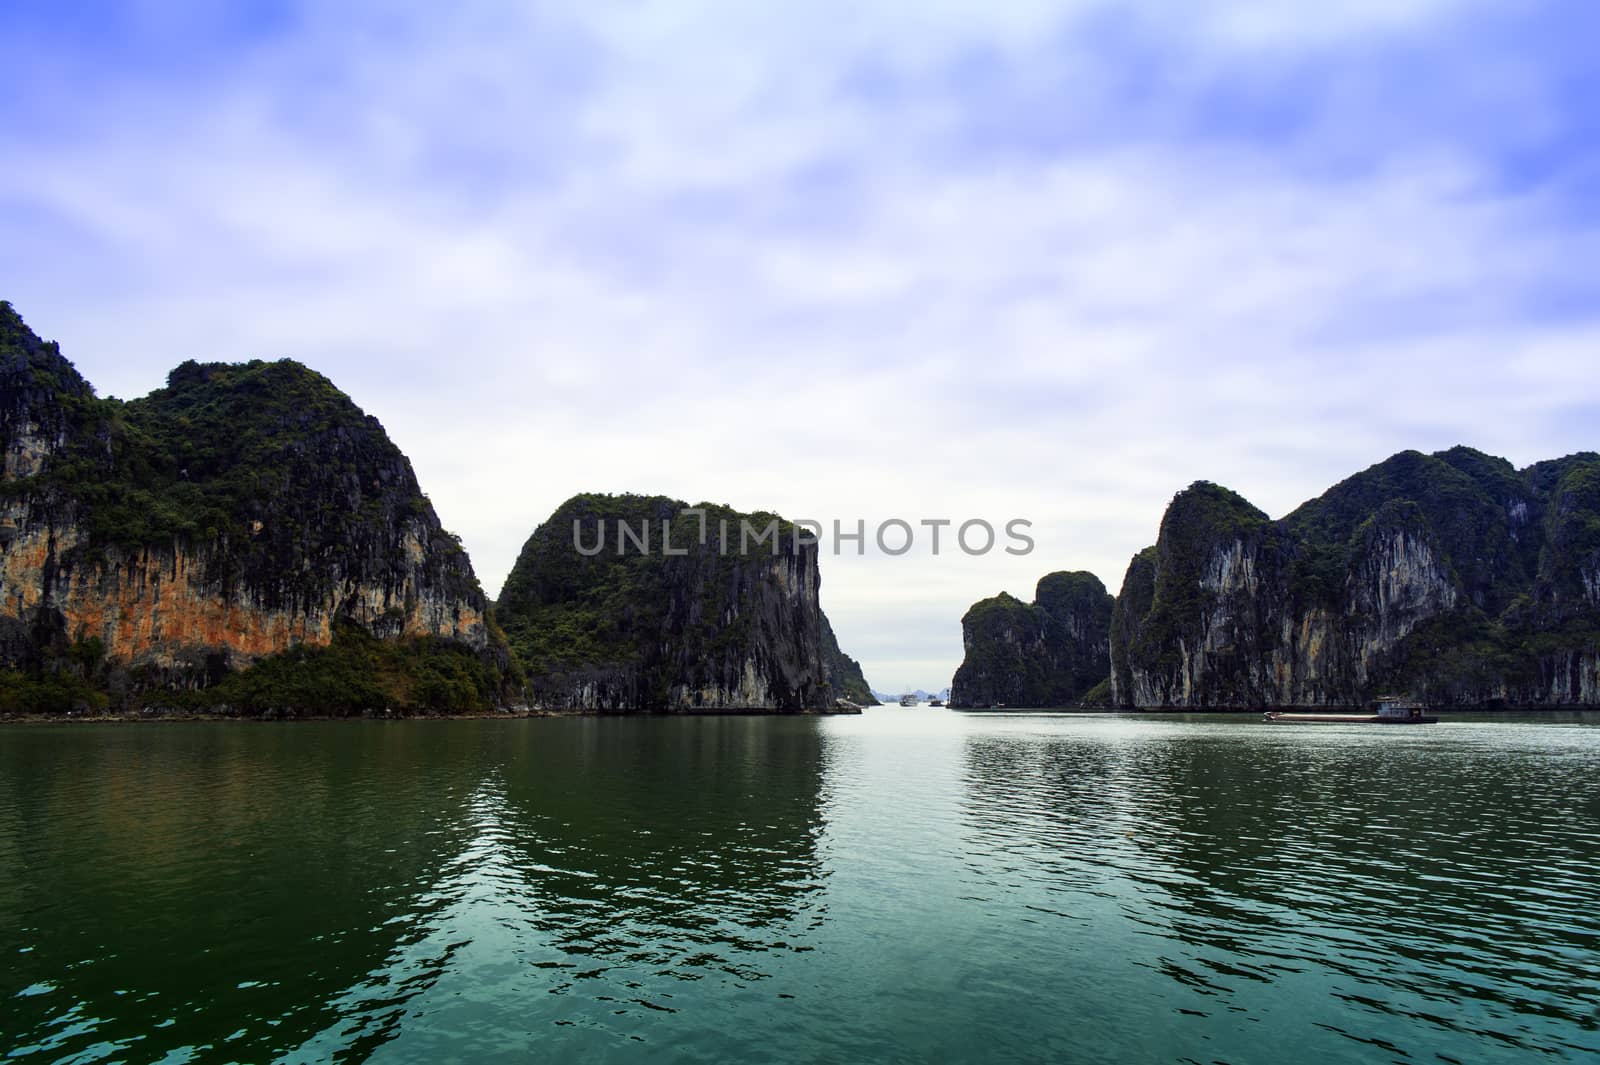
<point x="1387" y="710"/>
<point x="908" y="700"/>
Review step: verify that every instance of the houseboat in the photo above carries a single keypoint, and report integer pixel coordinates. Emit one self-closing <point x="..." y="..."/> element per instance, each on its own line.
<point x="1386" y="710"/>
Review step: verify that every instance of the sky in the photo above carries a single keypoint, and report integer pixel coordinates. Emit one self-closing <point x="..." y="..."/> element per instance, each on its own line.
<point x="844" y="261"/>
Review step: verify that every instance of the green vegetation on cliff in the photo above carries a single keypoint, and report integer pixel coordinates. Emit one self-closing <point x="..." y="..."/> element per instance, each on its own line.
<point x="357" y="673"/>
<point x="844" y="672"/>
<point x="238" y="501"/>
<point x="1453" y="576"/>
<point x="705" y="615"/>
<point x="1050" y="652"/>
<point x="1200" y="517"/>
<point x="563" y="609"/>
<point x="52" y="692"/>
<point x="1465" y="498"/>
<point x="210" y="460"/>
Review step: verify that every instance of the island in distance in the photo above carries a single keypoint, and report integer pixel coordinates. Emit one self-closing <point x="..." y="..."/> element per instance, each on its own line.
<point x="246" y="541"/>
<point x="1453" y="577"/>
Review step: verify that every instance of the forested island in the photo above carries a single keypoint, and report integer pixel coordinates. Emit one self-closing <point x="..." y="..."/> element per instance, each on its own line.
<point x="1452" y="577"/>
<point x="643" y="602"/>
<point x="246" y="541"/>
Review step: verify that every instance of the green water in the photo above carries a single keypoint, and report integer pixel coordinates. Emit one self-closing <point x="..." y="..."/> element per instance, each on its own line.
<point x="906" y="886"/>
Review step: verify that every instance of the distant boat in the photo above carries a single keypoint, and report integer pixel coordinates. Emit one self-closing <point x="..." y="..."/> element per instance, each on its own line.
<point x="1387" y="710"/>
<point x="908" y="700"/>
<point x="935" y="702"/>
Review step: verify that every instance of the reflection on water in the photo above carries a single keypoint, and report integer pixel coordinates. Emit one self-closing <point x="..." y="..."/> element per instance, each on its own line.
<point x="902" y="886"/>
<point x="326" y="891"/>
<point x="179" y="887"/>
<point x="615" y="868"/>
<point x="1399" y="892"/>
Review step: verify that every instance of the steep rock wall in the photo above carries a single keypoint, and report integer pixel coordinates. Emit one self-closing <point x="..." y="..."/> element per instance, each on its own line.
<point x="672" y="621"/>
<point x="844" y="673"/>
<point x="239" y="513"/>
<point x="1451" y="577"/>
<point x="1050" y="652"/>
<point x="164" y="607"/>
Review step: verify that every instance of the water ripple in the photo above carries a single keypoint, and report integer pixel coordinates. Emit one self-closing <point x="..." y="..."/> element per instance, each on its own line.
<point x="901" y="887"/>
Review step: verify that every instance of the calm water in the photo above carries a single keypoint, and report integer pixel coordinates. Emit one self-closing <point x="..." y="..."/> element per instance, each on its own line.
<point x="906" y="886"/>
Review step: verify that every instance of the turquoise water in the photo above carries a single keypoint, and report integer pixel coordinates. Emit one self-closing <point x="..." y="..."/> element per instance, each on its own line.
<point x="905" y="886"/>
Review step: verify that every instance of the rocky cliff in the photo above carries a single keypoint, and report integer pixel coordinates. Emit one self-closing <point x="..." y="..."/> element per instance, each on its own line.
<point x="1051" y="652"/>
<point x="643" y="603"/>
<point x="1452" y="577"/>
<point x="844" y="672"/>
<point x="240" y="514"/>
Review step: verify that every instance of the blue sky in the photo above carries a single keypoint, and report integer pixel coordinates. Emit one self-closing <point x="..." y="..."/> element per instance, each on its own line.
<point x="1051" y="261"/>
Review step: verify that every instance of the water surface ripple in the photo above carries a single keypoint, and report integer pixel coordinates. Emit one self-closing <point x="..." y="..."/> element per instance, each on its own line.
<point x="906" y="886"/>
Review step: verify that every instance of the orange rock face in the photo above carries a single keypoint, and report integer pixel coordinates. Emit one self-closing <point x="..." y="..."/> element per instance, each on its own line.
<point x="156" y="607"/>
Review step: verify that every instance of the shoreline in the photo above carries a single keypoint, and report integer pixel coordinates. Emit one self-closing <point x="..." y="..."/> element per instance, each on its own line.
<point x="1235" y="711"/>
<point x="525" y="713"/>
<point x="514" y="714"/>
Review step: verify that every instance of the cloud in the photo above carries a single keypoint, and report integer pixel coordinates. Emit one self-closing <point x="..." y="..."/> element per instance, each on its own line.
<point x="842" y="261"/>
